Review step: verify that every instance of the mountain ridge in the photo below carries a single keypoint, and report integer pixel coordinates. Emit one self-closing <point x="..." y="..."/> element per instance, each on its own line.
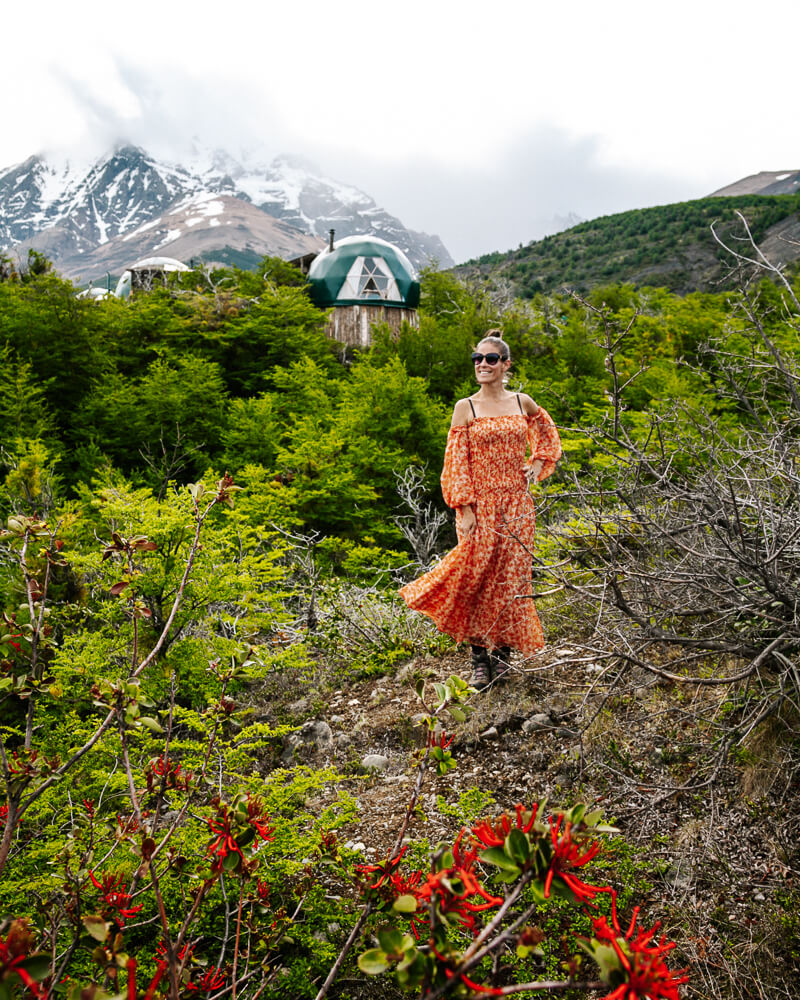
<point x="72" y="211"/>
<point x="666" y="245"/>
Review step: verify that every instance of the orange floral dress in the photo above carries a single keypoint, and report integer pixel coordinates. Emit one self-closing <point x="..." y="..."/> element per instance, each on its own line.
<point x="481" y="590"/>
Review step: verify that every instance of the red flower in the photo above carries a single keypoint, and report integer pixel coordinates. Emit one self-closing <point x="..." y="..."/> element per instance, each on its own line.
<point x="646" y="974"/>
<point x="161" y="954"/>
<point x="3" y="815"/>
<point x="227" y="837"/>
<point x="224" y="843"/>
<point x="453" y="888"/>
<point x="211" y="980"/>
<point x="162" y="964"/>
<point x="386" y="868"/>
<point x="405" y="885"/>
<point x="439" y="741"/>
<point x="115" y="897"/>
<point x="494" y="834"/>
<point x="170" y="774"/>
<point x="566" y="855"/>
<point x="127" y="826"/>
<point x="259" y="820"/>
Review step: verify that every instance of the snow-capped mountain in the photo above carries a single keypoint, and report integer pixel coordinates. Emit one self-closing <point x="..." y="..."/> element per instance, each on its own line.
<point x="78" y="213"/>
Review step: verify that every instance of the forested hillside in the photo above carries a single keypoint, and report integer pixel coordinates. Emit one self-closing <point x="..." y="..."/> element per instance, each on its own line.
<point x="234" y="764"/>
<point x="669" y="246"/>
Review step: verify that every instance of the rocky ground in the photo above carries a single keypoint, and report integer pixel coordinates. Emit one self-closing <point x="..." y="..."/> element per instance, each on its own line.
<point x="712" y="845"/>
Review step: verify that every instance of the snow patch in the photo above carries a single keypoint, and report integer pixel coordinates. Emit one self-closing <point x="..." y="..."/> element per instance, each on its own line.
<point x="142" y="229"/>
<point x="172" y="234"/>
<point x="212" y="208"/>
<point x="102" y="228"/>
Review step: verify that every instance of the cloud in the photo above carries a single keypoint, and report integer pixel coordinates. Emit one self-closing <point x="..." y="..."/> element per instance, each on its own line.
<point x="479" y="205"/>
<point x="545" y="175"/>
<point x="166" y="111"/>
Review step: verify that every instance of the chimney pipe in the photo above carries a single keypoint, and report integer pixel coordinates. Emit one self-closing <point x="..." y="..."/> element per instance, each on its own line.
<point x="330" y="245"/>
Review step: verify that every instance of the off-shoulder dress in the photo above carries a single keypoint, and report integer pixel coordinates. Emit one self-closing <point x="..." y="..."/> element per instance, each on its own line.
<point x="481" y="590"/>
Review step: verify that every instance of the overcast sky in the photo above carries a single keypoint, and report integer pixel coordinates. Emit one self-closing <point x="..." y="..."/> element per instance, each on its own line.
<point x="479" y="121"/>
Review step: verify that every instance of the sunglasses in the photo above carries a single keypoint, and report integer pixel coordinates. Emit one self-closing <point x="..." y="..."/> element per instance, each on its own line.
<point x="490" y="359"/>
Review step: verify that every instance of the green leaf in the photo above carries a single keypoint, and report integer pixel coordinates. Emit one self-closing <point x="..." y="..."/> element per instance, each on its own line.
<point x="537" y="889"/>
<point x="497" y="856"/>
<point x="517" y="845"/>
<point x="373" y="962"/>
<point x="607" y="960"/>
<point x="458" y="714"/>
<point x="247" y="837"/>
<point x="523" y="950"/>
<point x="390" y="939"/>
<point x="230" y="862"/>
<point x="96" y="926"/>
<point x="151" y="724"/>
<point x="446" y="860"/>
<point x="419" y="687"/>
<point x="405" y="904"/>
<point x="576" y="814"/>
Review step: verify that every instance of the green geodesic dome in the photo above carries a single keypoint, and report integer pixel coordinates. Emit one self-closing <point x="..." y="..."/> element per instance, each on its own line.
<point x="363" y="270"/>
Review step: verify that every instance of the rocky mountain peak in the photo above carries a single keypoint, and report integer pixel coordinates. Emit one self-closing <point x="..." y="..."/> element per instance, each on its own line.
<point x="71" y="210"/>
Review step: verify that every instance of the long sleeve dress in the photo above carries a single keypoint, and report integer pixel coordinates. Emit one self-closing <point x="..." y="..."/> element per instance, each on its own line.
<point x="481" y="590"/>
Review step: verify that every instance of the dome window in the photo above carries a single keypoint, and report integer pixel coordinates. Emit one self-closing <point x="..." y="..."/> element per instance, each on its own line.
<point x="370" y="278"/>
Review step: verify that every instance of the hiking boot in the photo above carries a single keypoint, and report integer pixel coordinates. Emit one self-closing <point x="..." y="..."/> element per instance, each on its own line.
<point x="500" y="661"/>
<point x="481" y="668"/>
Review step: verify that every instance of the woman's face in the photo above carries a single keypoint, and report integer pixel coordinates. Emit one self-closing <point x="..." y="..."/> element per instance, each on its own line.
<point x="485" y="373"/>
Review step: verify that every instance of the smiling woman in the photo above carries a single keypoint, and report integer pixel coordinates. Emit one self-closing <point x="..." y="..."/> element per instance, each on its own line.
<point x="481" y="590"/>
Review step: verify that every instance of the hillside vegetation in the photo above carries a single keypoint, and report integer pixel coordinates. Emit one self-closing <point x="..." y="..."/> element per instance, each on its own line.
<point x="233" y="763"/>
<point x="669" y="246"/>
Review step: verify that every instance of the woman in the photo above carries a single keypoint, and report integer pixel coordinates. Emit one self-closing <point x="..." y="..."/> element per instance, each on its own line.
<point x="481" y="591"/>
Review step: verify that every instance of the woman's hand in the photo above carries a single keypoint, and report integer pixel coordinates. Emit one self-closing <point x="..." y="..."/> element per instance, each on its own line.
<point x="532" y="474"/>
<point x="468" y="521"/>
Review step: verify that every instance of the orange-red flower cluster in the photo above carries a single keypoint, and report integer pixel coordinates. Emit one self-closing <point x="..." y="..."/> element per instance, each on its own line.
<point x="646" y="974"/>
<point x="384" y="870"/>
<point x="226" y="841"/>
<point x="494" y="834"/>
<point x="441" y="740"/>
<point x="452" y="889"/>
<point x="164" y="772"/>
<point x="115" y="898"/>
<point x="212" y="980"/>
<point x="257" y="818"/>
<point x="566" y="855"/>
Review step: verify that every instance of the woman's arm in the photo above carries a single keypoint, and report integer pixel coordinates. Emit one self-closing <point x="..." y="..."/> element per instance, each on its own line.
<point x="533" y="471"/>
<point x="461" y="413"/>
<point x="466" y="514"/>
